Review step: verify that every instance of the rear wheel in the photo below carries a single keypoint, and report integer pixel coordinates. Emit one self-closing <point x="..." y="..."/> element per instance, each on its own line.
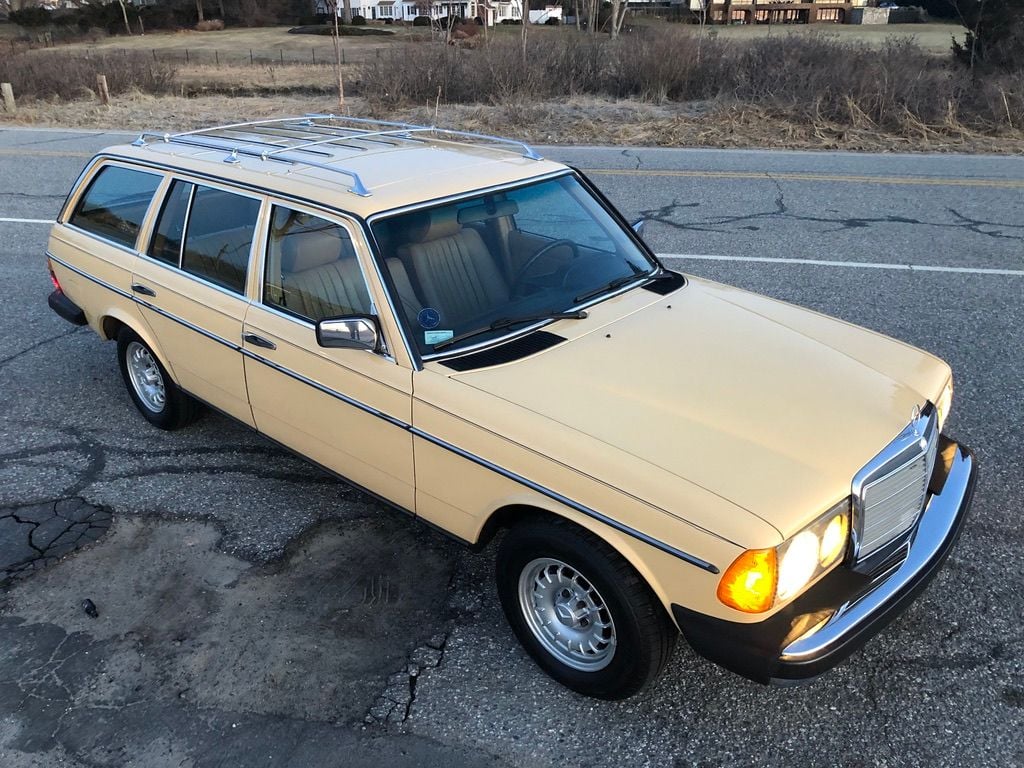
<point x="154" y="393"/>
<point x="580" y="610"/>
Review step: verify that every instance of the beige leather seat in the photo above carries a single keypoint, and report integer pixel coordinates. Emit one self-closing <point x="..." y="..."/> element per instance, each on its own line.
<point x="407" y="298"/>
<point x="456" y="273"/>
<point x="320" y="276"/>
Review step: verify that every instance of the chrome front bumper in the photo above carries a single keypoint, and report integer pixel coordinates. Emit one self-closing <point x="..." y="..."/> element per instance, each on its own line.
<point x="843" y="611"/>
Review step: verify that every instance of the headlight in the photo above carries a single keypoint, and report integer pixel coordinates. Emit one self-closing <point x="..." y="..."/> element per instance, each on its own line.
<point x="945" y="402"/>
<point x="760" y="578"/>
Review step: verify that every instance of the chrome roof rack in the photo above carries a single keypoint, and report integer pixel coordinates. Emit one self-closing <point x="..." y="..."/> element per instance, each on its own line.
<point x="320" y="130"/>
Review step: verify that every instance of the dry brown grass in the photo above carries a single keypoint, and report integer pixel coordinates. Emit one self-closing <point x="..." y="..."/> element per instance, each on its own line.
<point x="264" y="79"/>
<point x="579" y="120"/>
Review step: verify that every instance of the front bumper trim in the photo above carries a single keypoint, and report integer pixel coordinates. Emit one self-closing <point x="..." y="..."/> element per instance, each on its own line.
<point x="843" y="611"/>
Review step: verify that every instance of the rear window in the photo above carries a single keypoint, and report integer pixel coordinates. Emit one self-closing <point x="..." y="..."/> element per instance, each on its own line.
<point x="115" y="203"/>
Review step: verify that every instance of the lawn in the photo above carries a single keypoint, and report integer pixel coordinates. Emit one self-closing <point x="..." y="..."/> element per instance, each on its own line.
<point x="936" y="37"/>
<point x="265" y="44"/>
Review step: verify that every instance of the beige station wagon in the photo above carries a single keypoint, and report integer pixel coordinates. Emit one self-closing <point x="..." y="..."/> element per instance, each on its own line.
<point x="474" y="335"/>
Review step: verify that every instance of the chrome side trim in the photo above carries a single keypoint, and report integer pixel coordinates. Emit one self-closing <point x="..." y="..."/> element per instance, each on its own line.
<point x="554" y="495"/>
<point x="621" y="527"/>
<point x="937" y="524"/>
<point x="96" y="280"/>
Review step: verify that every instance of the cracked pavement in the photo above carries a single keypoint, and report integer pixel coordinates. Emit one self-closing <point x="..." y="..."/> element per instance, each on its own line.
<point x="251" y="610"/>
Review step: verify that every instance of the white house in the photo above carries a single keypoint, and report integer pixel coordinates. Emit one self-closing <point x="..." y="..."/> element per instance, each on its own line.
<point x="492" y="11"/>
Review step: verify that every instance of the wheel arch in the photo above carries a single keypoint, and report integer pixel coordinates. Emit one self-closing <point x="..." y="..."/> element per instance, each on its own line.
<point x="510" y="515"/>
<point x="109" y="326"/>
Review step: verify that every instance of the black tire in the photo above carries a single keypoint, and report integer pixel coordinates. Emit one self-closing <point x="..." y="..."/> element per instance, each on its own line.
<point x="644" y="635"/>
<point x="178" y="408"/>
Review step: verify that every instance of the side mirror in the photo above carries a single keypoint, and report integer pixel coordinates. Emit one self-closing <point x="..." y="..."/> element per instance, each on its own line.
<point x="350" y="332"/>
<point x="638" y="226"/>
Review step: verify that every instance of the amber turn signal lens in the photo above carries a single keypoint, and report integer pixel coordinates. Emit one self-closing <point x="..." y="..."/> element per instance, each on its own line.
<point x="749" y="583"/>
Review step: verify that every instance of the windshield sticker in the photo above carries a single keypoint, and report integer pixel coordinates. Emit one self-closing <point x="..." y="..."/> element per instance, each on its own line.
<point x="436" y="337"/>
<point x="429" y="318"/>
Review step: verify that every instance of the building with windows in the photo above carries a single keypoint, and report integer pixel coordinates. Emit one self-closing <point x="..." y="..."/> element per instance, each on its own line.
<point x="492" y="12"/>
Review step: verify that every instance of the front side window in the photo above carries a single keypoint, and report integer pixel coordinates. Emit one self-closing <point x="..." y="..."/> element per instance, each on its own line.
<point x="115" y="204"/>
<point x="218" y="236"/>
<point x="485" y="266"/>
<point x="311" y="268"/>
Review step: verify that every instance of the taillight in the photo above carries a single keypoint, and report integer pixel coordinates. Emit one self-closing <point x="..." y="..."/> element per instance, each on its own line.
<point x="53" y="277"/>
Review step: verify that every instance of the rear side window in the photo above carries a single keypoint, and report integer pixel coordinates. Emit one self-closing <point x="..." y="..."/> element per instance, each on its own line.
<point x="218" y="236"/>
<point x="115" y="204"/>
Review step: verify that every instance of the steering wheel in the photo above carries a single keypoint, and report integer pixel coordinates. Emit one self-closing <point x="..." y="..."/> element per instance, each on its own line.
<point x="520" y="278"/>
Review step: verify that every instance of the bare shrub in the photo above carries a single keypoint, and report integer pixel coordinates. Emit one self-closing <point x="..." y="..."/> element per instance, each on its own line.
<point x="49" y="74"/>
<point x="898" y="87"/>
<point x="671" y="65"/>
<point x="210" y="25"/>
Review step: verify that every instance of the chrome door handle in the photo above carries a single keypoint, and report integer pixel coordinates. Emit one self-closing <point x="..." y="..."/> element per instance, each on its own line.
<point x="139" y="288"/>
<point x="258" y="341"/>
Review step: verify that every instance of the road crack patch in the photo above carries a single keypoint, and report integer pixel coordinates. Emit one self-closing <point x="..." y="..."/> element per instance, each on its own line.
<point x="394" y="705"/>
<point x="36" y="536"/>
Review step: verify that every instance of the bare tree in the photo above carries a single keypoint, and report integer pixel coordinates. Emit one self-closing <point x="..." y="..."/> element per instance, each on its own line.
<point x="199" y="10"/>
<point x="332" y="6"/>
<point x="970" y="15"/>
<point x="524" y="6"/>
<point x="124" y="12"/>
<point x="702" y="20"/>
<point x="618" y="16"/>
<point x="593" y="16"/>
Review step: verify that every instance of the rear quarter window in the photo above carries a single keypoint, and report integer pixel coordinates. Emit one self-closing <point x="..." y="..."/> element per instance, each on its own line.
<point x="115" y="203"/>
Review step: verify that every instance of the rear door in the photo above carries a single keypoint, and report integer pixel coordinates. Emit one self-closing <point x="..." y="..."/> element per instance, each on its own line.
<point x="346" y="409"/>
<point x="191" y="283"/>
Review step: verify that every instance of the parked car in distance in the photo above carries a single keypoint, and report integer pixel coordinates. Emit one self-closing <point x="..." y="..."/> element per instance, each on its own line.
<point x="474" y="335"/>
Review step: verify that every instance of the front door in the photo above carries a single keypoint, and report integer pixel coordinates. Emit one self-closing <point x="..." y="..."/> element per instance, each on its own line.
<point x="348" y="410"/>
<point x="191" y="283"/>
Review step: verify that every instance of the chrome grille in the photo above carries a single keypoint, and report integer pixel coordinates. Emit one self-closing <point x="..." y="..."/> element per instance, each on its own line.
<point x="890" y="492"/>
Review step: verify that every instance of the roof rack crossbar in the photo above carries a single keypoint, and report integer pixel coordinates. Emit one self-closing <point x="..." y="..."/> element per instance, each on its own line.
<point x="229" y="143"/>
<point x="527" y="150"/>
<point x="358" y="187"/>
<point x="344" y="133"/>
<point x="208" y="138"/>
<point x="355" y="137"/>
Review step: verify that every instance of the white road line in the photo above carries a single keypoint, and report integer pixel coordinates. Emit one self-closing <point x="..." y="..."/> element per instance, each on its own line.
<point x="849" y="264"/>
<point x="26" y="221"/>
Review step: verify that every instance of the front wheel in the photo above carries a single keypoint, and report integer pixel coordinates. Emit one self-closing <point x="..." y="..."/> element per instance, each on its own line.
<point x="580" y="610"/>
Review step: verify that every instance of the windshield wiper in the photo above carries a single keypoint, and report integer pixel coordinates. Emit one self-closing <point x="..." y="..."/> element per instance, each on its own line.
<point x="508" y="322"/>
<point x="618" y="282"/>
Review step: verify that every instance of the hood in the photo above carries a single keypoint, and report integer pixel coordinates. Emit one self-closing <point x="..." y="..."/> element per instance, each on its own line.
<point x="765" y="404"/>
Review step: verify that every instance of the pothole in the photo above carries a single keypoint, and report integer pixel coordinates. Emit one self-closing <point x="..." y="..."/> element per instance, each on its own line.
<point x="35" y="536"/>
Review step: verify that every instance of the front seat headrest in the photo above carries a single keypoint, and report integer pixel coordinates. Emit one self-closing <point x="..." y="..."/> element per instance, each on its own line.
<point x="307" y="250"/>
<point x="433" y="225"/>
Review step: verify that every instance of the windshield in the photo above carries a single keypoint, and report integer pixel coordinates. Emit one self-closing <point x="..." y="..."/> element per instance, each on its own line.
<point x="466" y="272"/>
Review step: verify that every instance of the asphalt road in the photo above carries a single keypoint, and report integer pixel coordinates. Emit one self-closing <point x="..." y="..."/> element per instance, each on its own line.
<point x="251" y="611"/>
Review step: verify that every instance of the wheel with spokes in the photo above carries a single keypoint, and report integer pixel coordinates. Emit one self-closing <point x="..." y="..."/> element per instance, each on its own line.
<point x="580" y="610"/>
<point x="154" y="393"/>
